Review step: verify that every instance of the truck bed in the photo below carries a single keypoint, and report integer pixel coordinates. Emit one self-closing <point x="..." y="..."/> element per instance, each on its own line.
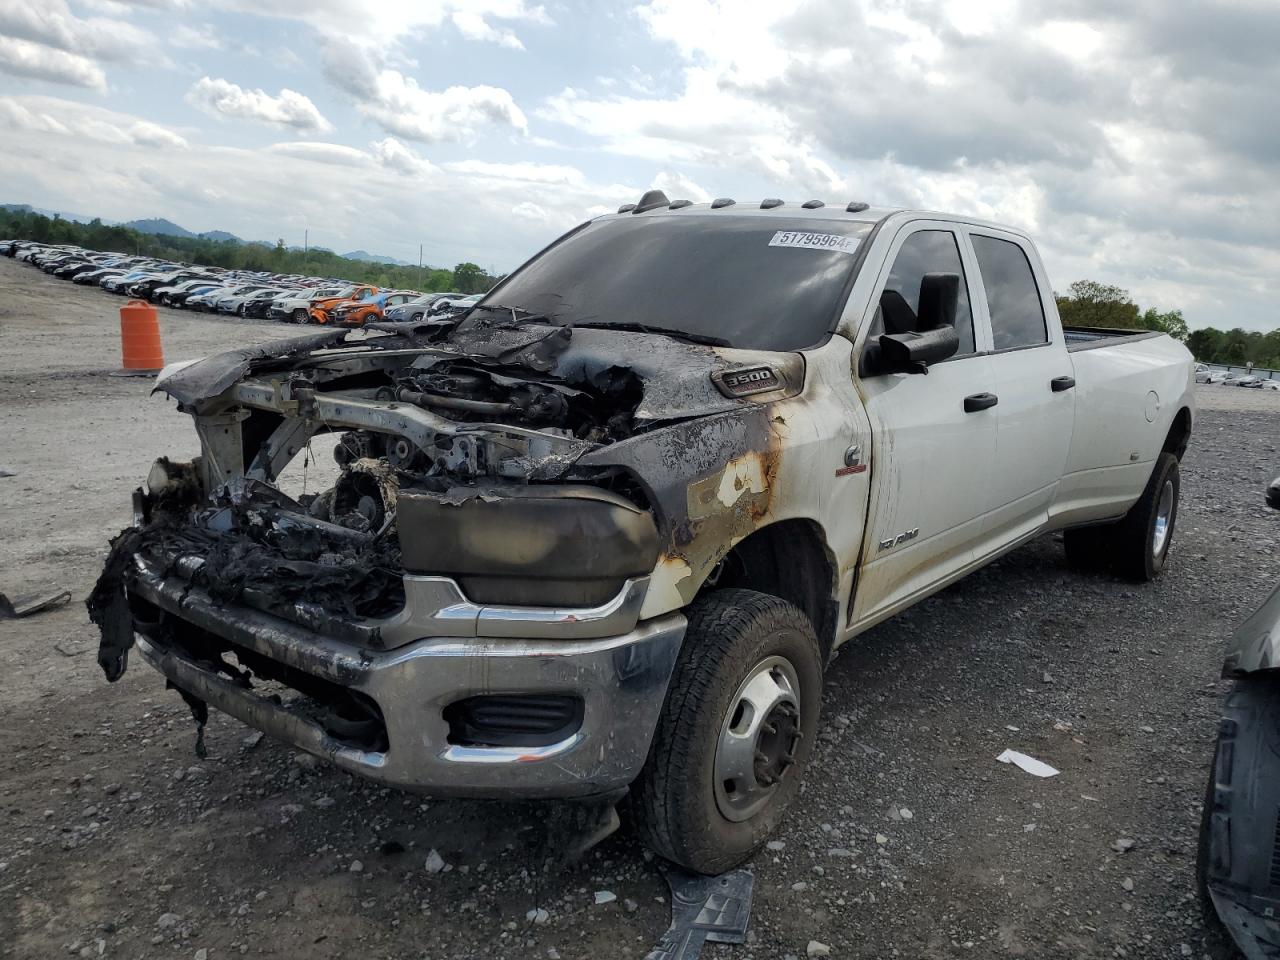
<point x="1088" y="338"/>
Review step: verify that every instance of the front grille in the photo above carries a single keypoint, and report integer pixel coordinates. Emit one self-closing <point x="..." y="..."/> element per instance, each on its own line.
<point x="513" y="720"/>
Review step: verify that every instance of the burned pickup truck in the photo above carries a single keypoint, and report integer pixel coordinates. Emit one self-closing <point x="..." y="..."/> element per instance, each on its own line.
<point x="604" y="532"/>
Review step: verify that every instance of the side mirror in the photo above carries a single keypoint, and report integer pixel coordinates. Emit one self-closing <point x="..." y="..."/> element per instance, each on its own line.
<point x="913" y="352"/>
<point x="932" y="336"/>
<point x="1273" y="494"/>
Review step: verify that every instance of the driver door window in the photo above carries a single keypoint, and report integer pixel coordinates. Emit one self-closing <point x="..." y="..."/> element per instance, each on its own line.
<point x="926" y="251"/>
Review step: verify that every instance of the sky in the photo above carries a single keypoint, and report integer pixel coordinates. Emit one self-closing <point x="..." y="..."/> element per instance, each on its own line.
<point x="1138" y="142"/>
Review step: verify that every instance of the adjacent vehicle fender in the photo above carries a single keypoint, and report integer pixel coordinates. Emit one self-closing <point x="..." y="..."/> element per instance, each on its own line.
<point x="1255" y="644"/>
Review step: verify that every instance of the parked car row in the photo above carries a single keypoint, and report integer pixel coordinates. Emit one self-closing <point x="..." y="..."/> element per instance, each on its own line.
<point x="288" y="298"/>
<point x="1209" y="376"/>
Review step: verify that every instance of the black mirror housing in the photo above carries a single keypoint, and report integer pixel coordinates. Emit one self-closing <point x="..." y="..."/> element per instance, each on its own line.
<point x="913" y="352"/>
<point x="1273" y="494"/>
<point x="933" y="335"/>
<point x="939" y="299"/>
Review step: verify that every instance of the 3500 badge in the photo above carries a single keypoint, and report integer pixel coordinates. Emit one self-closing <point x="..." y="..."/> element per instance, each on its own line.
<point x="743" y="383"/>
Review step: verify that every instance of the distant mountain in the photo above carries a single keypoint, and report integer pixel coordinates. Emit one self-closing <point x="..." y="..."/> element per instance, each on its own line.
<point x="28" y="208"/>
<point x="366" y="257"/>
<point x="159" y="226"/>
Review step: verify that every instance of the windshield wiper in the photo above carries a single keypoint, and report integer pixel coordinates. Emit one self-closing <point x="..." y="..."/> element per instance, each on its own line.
<point x="685" y="335"/>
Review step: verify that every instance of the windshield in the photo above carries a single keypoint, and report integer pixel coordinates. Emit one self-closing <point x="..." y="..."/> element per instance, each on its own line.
<point x="756" y="282"/>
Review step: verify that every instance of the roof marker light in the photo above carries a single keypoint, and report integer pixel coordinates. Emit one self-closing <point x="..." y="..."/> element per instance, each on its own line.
<point x="770" y="203"/>
<point x="652" y="200"/>
<point x="812" y="204"/>
<point x="677" y="204"/>
<point x="857" y="206"/>
<point x="722" y="202"/>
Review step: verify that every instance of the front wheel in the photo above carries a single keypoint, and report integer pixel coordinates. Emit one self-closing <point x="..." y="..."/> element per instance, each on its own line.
<point x="736" y="731"/>
<point x="300" y="316"/>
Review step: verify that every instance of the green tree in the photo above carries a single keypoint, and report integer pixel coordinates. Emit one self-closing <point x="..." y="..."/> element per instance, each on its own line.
<point x="1093" y="304"/>
<point x="469" y="278"/>
<point x="1171" y="323"/>
<point x="1205" y="344"/>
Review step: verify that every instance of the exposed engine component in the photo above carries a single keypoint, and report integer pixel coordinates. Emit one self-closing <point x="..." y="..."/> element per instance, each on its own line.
<point x="600" y="410"/>
<point x="363" y="498"/>
<point x="358" y="445"/>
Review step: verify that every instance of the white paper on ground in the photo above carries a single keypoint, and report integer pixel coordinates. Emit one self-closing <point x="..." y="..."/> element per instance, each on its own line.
<point x="1033" y="766"/>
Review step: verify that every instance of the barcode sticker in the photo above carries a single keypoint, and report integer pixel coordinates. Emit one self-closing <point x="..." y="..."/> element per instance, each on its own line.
<point x="814" y="241"/>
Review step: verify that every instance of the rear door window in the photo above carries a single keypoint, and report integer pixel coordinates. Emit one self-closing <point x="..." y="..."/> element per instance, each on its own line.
<point x="1013" y="298"/>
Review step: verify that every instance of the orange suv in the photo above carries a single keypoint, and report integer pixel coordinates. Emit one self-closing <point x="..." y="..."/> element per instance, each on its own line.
<point x="356" y="313"/>
<point x="320" y="309"/>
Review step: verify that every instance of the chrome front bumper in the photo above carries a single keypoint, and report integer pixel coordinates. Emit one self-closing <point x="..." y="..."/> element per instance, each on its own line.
<point x="621" y="679"/>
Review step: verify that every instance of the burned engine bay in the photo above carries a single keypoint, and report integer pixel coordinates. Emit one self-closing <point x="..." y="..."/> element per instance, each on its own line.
<point x="532" y="435"/>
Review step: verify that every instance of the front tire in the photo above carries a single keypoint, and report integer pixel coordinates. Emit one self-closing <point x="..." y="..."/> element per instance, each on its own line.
<point x="300" y="316"/>
<point x="735" y="734"/>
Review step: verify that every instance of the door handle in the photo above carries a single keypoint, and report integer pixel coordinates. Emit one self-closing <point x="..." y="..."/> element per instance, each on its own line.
<point x="1058" y="384"/>
<point x="980" y="401"/>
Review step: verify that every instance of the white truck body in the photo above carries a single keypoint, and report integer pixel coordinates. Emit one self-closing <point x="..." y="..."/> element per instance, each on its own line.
<point x="590" y="536"/>
<point x="968" y="487"/>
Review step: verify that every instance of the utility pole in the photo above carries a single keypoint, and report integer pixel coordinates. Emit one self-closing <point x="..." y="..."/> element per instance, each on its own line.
<point x="306" y="233"/>
<point x="419" y="266"/>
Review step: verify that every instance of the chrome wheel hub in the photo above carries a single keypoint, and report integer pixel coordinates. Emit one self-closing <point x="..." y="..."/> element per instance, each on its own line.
<point x="1164" y="518"/>
<point x="758" y="739"/>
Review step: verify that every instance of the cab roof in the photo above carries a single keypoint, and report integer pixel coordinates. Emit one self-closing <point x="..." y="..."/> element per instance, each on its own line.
<point x="656" y="203"/>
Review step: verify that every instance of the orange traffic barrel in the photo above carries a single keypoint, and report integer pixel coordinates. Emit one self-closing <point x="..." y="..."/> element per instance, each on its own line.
<point x="140" y="339"/>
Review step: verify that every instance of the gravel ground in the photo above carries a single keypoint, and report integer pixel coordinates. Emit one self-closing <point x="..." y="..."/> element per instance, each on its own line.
<point x="909" y="839"/>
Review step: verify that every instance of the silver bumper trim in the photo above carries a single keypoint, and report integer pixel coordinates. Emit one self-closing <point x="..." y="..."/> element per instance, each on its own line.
<point x="436" y="606"/>
<point x="622" y="681"/>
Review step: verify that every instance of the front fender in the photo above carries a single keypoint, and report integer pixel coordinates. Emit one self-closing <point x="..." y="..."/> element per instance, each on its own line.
<point x="1255" y="645"/>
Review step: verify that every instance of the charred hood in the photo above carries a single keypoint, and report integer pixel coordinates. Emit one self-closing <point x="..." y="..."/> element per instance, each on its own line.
<point x="671" y="379"/>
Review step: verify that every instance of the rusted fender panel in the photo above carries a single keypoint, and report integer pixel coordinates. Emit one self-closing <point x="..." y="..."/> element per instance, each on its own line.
<point x="718" y="479"/>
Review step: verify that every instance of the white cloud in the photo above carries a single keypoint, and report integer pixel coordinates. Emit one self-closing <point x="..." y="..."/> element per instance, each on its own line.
<point x="51" y="23"/>
<point x="394" y="155"/>
<point x="222" y="98"/>
<point x="383" y="21"/>
<point x="50" y="115"/>
<point x="1105" y="130"/>
<point x="401" y="199"/>
<point x="332" y="153"/>
<point x="520" y="172"/>
<point x="473" y="26"/>
<point x="399" y="106"/>
<point x="17" y="116"/>
<point x="201" y="37"/>
<point x="679" y="187"/>
<point x="22" y="58"/>
<point x="530" y="211"/>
